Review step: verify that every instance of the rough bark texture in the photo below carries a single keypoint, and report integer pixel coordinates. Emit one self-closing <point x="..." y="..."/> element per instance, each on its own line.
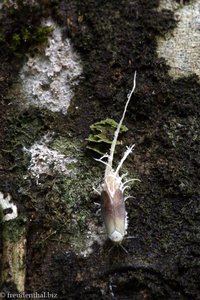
<point x="13" y="268"/>
<point x="66" y="253"/>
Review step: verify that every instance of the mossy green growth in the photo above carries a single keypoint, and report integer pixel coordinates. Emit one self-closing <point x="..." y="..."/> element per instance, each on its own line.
<point x="85" y="173"/>
<point x="25" y="38"/>
<point x="13" y="230"/>
<point x="75" y="193"/>
<point x="40" y="35"/>
<point x="103" y="133"/>
<point x="15" y="41"/>
<point x="22" y="29"/>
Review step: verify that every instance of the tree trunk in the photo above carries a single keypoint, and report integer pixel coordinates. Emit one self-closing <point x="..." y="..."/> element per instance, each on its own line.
<point x="67" y="65"/>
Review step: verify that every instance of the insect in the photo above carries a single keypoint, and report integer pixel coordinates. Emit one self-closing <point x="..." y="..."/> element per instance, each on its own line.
<point x="112" y="189"/>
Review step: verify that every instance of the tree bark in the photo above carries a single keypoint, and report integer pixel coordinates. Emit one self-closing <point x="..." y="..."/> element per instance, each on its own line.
<point x="65" y="65"/>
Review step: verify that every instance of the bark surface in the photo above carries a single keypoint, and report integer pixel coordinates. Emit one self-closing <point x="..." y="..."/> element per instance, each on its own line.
<point x="66" y="254"/>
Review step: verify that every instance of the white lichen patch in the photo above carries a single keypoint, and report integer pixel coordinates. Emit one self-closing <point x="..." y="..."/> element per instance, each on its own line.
<point x="92" y="236"/>
<point x="168" y="4"/>
<point x="181" y="47"/>
<point x="7" y="204"/>
<point x="45" y="160"/>
<point x="48" y="77"/>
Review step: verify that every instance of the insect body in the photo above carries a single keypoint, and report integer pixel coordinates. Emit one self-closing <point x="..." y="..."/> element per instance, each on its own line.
<point x="113" y="208"/>
<point x="112" y="190"/>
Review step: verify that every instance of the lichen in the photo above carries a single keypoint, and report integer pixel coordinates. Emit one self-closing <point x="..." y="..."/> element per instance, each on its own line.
<point x="68" y="205"/>
<point x="103" y="132"/>
<point x="180" y="48"/>
<point x="44" y="160"/>
<point x="78" y="189"/>
<point x="48" y="77"/>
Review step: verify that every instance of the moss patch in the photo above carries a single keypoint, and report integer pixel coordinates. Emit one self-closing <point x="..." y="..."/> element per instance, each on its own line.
<point x="21" y="30"/>
<point x="13" y="230"/>
<point x="64" y="205"/>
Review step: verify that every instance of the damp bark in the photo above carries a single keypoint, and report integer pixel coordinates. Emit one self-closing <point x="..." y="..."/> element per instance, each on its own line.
<point x="66" y="253"/>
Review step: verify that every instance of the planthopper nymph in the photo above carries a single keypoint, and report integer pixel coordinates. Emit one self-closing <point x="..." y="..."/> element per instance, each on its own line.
<point x="112" y="189"/>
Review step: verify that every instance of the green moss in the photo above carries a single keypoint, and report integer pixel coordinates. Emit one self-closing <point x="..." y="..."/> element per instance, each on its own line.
<point x="85" y="174"/>
<point x="26" y="35"/>
<point x="41" y="34"/>
<point x="103" y="132"/>
<point x="70" y="203"/>
<point x="26" y="127"/>
<point x="15" y="41"/>
<point x="22" y="29"/>
<point x="13" y="230"/>
<point x="20" y="39"/>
